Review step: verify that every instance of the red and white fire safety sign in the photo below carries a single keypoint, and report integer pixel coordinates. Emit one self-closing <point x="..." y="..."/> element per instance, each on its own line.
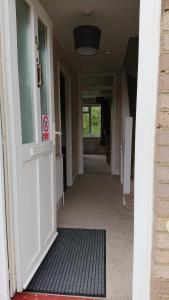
<point x="45" y="127"/>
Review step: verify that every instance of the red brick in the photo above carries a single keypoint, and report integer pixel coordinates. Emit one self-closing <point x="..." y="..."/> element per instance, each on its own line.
<point x="164" y="81"/>
<point x="163" y="119"/>
<point x="164" y="41"/>
<point x="162" y="256"/>
<point x="163" y="191"/>
<point x="162" y="242"/>
<point x="163" y="136"/>
<point x="163" y="173"/>
<point x="165" y="5"/>
<point x="162" y="286"/>
<point x="165" y="20"/>
<point x="162" y="154"/>
<point x="163" y="207"/>
<point x="164" y="62"/>
<point x="161" y="271"/>
<point x="160" y="223"/>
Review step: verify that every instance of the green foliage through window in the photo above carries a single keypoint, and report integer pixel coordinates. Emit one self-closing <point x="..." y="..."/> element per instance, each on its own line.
<point x="91" y="121"/>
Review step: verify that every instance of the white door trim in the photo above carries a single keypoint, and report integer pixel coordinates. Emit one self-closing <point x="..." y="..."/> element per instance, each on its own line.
<point x="127" y="157"/>
<point x="68" y="100"/>
<point x="80" y="130"/>
<point x="4" y="282"/>
<point x="7" y="36"/>
<point x="114" y="133"/>
<point x="150" y="13"/>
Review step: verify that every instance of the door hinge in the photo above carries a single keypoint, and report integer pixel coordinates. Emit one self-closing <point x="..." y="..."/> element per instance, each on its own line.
<point x="3" y="141"/>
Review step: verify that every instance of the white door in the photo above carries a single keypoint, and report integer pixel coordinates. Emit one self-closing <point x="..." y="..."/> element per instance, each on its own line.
<point x="36" y="150"/>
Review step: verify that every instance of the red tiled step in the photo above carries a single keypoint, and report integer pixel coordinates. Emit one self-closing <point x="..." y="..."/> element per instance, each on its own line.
<point x="30" y="296"/>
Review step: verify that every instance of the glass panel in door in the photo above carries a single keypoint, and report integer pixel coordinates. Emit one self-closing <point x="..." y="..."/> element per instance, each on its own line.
<point x="25" y="70"/>
<point x="44" y="93"/>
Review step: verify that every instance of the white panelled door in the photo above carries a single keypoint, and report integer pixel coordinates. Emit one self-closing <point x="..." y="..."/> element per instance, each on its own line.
<point x="36" y="205"/>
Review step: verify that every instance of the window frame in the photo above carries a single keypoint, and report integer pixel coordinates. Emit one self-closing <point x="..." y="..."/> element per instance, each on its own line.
<point x="89" y="112"/>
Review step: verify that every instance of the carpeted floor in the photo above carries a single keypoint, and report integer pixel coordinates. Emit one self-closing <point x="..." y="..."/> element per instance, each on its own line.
<point x="95" y="201"/>
<point x="96" y="163"/>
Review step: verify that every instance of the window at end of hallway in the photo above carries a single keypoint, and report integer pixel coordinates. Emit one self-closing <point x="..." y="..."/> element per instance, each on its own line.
<point x="91" y="121"/>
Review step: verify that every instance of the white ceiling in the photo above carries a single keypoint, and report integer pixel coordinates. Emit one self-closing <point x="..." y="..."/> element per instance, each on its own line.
<point x="118" y="20"/>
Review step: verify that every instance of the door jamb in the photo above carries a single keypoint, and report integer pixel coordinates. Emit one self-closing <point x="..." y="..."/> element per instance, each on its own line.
<point x="68" y="100"/>
<point x="4" y="263"/>
<point x="7" y="191"/>
<point x="8" y="32"/>
<point x="114" y="130"/>
<point x="147" y="92"/>
<point x="80" y="130"/>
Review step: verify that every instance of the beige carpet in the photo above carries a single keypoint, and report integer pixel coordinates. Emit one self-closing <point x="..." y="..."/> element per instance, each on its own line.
<point x="96" y="163"/>
<point x="95" y="201"/>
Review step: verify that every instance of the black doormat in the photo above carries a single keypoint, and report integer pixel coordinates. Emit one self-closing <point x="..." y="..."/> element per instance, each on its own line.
<point x="74" y="265"/>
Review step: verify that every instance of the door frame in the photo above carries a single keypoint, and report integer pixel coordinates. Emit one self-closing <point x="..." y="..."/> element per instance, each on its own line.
<point x="113" y="122"/>
<point x="68" y="103"/>
<point x="4" y="259"/>
<point x="9" y="89"/>
<point x="145" y="131"/>
<point x="147" y="93"/>
<point x="114" y="131"/>
<point x="80" y="131"/>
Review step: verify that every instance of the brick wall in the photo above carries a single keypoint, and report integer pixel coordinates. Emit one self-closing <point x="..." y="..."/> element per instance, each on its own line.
<point x="160" y="257"/>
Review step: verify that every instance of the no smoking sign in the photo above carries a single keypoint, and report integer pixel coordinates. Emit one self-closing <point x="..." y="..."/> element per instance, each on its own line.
<point x="45" y="127"/>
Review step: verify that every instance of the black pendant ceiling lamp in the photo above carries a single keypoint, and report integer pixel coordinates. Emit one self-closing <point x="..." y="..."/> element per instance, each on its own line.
<point x="87" y="38"/>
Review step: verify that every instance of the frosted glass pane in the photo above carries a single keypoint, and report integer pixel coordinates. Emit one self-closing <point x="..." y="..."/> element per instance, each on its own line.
<point x="25" y="70"/>
<point x="42" y="31"/>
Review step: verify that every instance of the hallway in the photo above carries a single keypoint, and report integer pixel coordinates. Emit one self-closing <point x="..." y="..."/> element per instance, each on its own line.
<point x="96" y="163"/>
<point x="95" y="202"/>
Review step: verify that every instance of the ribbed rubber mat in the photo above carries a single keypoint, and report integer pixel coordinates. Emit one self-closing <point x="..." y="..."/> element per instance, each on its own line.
<point x="74" y="265"/>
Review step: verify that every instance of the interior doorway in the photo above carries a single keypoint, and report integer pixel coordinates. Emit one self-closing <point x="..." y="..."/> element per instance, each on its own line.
<point x="65" y="122"/>
<point x="95" y="139"/>
<point x="96" y="122"/>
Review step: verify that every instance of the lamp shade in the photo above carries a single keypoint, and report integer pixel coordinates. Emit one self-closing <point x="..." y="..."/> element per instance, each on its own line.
<point x="87" y="39"/>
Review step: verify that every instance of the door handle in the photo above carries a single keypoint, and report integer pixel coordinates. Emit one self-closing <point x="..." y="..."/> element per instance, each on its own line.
<point x="58" y="133"/>
<point x="39" y="75"/>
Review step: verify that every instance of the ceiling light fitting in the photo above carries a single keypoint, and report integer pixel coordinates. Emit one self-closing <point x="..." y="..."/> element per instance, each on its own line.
<point x="87" y="37"/>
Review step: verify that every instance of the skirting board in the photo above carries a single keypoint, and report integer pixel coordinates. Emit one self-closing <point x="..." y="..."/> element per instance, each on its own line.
<point x="74" y="177"/>
<point x="115" y="172"/>
<point x="60" y="203"/>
